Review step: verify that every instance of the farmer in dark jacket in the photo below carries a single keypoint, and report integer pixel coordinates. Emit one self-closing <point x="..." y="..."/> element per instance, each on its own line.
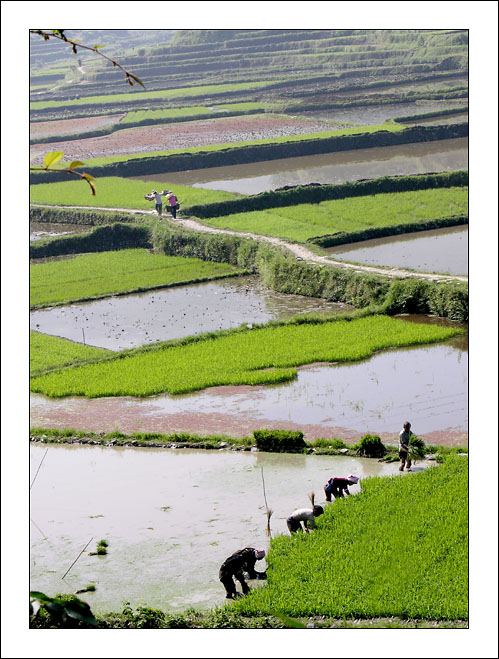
<point x="336" y="486"/>
<point x="239" y="561"/>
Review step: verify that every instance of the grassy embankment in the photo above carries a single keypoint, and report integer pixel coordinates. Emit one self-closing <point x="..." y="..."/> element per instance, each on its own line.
<point x="400" y="548"/>
<point x="92" y="276"/>
<point x="305" y="221"/>
<point x="263" y="355"/>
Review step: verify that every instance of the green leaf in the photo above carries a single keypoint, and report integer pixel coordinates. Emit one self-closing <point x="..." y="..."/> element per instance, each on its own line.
<point x="89" y="177"/>
<point x="52" y="157"/>
<point x="75" y="164"/>
<point x="130" y="75"/>
<point x="95" y="47"/>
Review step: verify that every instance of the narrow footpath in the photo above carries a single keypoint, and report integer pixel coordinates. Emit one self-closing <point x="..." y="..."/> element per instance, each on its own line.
<point x="301" y="252"/>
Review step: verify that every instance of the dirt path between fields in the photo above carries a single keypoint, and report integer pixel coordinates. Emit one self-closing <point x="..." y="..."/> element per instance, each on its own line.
<point x="299" y="251"/>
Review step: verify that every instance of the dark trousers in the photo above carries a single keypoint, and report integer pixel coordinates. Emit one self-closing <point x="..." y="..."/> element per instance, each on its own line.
<point x="334" y="491"/>
<point x="293" y="525"/>
<point x="173" y="210"/>
<point x="230" y="585"/>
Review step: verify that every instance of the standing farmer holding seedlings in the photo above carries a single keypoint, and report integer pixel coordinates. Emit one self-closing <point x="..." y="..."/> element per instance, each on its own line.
<point x="239" y="562"/>
<point x="336" y="486"/>
<point x="404" y="441"/>
<point x="305" y="515"/>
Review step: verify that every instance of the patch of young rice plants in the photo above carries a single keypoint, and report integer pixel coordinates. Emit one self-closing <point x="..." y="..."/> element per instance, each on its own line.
<point x="182" y="92"/>
<point x="47" y="352"/>
<point x="263" y="355"/>
<point x="305" y="221"/>
<point x="91" y="276"/>
<point x="399" y="548"/>
<point x="117" y="192"/>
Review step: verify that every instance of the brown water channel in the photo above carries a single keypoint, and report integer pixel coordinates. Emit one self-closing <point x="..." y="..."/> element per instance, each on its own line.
<point x="425" y="385"/>
<point x="170" y="517"/>
<point x="332" y="168"/>
<point x="439" y="250"/>
<point x="129" y="321"/>
<point x="40" y="230"/>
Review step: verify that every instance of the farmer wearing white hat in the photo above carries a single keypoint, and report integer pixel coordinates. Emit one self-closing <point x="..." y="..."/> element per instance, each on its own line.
<point x="239" y="562"/>
<point x="336" y="486"/>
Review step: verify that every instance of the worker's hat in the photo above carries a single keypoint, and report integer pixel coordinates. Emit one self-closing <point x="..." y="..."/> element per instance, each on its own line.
<point x="259" y="553"/>
<point x="353" y="478"/>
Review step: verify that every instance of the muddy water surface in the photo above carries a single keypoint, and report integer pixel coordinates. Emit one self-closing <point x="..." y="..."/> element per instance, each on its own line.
<point x="332" y="168"/>
<point x="170" y="517"/>
<point x="426" y="385"/>
<point x="439" y="250"/>
<point x="134" y="320"/>
<point x="39" y="230"/>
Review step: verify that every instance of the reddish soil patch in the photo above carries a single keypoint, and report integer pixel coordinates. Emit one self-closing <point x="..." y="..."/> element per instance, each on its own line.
<point x="128" y="415"/>
<point x="182" y="135"/>
<point x="71" y="126"/>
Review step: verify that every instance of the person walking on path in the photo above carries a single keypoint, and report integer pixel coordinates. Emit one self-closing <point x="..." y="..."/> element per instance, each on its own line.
<point x="172" y="200"/>
<point x="336" y="486"/>
<point x="305" y="516"/>
<point x="235" y="565"/>
<point x="156" y="196"/>
<point x="404" y="441"/>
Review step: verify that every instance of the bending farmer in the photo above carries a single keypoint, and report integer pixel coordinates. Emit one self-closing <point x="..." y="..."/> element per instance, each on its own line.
<point x="404" y="441"/>
<point x="239" y="561"/>
<point x="336" y="486"/>
<point x="305" y="515"/>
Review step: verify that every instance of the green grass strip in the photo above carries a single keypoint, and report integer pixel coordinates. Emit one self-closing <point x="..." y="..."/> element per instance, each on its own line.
<point x="117" y="192"/>
<point x="91" y="276"/>
<point x="400" y="548"/>
<point x="264" y="355"/>
<point x="302" y="222"/>
<point x="167" y="94"/>
<point x="48" y="352"/>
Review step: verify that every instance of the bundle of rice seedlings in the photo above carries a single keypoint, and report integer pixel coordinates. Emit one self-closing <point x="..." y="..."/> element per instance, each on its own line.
<point x="417" y="449"/>
<point x="269" y="515"/>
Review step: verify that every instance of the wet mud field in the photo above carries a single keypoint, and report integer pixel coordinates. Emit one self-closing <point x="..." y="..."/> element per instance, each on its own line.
<point x="176" y="514"/>
<point x="38" y="129"/>
<point x="183" y="135"/>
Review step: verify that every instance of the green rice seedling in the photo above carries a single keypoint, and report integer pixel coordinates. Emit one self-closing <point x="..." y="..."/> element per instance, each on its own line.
<point x="377" y="556"/>
<point x="266" y="354"/>
<point x="417" y="449"/>
<point x="305" y="221"/>
<point x="48" y="352"/>
<point x="92" y="276"/>
<point x="117" y="192"/>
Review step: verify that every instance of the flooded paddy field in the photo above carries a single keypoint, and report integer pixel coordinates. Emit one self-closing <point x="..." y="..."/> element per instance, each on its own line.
<point x="40" y="230"/>
<point x="329" y="168"/>
<point x="426" y="385"/>
<point x="438" y="250"/>
<point x="171" y="517"/>
<point x="377" y="114"/>
<point x="130" y="321"/>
